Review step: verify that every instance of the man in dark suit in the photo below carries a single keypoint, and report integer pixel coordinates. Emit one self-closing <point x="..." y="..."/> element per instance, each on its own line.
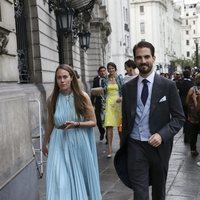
<point x="183" y="87"/>
<point x="152" y="115"/>
<point x="97" y="100"/>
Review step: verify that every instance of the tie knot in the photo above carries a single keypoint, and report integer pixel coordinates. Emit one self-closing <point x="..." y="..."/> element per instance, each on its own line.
<point x="145" y="81"/>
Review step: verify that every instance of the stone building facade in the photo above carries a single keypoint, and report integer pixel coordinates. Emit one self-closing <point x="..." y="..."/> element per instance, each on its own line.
<point x="29" y="55"/>
<point x="159" y="22"/>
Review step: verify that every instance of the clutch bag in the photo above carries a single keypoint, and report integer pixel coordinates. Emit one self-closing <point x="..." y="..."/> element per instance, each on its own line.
<point x="98" y="91"/>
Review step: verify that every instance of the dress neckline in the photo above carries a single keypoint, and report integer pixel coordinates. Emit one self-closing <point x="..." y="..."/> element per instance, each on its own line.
<point x="66" y="95"/>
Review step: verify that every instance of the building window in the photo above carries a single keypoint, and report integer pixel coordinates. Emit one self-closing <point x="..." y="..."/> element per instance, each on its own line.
<point x="126" y="14"/>
<point x="194" y="31"/>
<point x="0" y="13"/>
<point x="188" y="54"/>
<point x="141" y="9"/>
<point x="126" y="27"/>
<point x="194" y="13"/>
<point x="187" y="14"/>
<point x="104" y="2"/>
<point x="22" y="43"/>
<point x="187" y="42"/>
<point x="187" y="32"/>
<point x="193" y="22"/>
<point x="142" y="28"/>
<point x="186" y="22"/>
<point x="128" y="41"/>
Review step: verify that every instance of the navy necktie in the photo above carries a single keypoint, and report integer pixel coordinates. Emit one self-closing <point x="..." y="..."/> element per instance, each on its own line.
<point x="145" y="92"/>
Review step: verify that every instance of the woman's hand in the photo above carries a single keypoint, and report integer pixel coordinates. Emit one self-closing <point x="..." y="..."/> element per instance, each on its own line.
<point x="45" y="149"/>
<point x="71" y="124"/>
<point x="119" y="100"/>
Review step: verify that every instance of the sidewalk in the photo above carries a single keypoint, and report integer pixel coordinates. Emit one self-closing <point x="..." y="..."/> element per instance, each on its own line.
<point x="183" y="181"/>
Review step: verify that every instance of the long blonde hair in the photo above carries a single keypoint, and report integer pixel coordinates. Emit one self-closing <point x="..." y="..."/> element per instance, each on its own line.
<point x="80" y="100"/>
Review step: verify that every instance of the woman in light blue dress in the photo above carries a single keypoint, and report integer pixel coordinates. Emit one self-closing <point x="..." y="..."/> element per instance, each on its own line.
<point x="69" y="141"/>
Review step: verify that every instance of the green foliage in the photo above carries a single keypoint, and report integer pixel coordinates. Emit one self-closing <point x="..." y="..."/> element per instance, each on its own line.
<point x="184" y="62"/>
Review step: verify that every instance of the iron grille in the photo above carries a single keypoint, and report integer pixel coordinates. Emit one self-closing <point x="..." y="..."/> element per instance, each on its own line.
<point x="21" y="35"/>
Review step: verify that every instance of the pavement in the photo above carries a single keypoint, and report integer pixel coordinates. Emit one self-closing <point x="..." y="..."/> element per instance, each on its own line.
<point x="183" y="181"/>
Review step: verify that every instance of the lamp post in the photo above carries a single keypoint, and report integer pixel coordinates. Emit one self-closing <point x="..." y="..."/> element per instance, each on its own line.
<point x="84" y="39"/>
<point x="196" y="41"/>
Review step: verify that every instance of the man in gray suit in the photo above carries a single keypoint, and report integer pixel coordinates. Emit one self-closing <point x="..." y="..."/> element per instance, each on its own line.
<point x="152" y="115"/>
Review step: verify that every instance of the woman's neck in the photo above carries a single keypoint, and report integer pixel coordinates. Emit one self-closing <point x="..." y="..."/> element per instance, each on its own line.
<point x="112" y="77"/>
<point x="66" y="92"/>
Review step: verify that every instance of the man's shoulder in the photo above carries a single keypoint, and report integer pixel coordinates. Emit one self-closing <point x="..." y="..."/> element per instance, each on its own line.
<point x="96" y="78"/>
<point x="162" y="79"/>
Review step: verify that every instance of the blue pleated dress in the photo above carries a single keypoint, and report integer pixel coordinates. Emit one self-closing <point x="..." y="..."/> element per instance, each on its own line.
<point x="72" y="167"/>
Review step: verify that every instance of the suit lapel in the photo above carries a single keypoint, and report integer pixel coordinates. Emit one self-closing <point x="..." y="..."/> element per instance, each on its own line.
<point x="132" y="97"/>
<point x="156" y="93"/>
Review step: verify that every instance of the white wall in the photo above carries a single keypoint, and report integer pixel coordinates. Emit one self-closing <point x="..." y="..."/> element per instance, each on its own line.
<point x="189" y="14"/>
<point x="120" y="39"/>
<point x="161" y="24"/>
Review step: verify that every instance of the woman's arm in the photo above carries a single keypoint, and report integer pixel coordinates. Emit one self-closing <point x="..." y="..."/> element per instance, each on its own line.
<point x="48" y="130"/>
<point x="190" y="92"/>
<point x="120" y="83"/>
<point x="198" y="104"/>
<point x="89" y="117"/>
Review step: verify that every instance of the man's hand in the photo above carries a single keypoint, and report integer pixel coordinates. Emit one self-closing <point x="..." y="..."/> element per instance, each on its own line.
<point x="155" y="140"/>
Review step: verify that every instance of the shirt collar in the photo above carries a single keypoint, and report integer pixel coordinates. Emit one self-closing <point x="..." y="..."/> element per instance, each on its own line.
<point x="150" y="78"/>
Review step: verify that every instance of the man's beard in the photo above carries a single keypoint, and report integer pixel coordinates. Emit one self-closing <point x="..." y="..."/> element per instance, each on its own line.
<point x="145" y="68"/>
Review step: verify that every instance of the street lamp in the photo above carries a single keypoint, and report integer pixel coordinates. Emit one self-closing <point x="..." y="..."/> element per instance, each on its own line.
<point x="65" y="19"/>
<point x="84" y="39"/>
<point x="196" y="41"/>
<point x="72" y="21"/>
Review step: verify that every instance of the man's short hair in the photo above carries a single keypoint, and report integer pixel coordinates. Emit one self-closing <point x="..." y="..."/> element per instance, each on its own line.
<point x="101" y="67"/>
<point x="144" y="44"/>
<point x="186" y="74"/>
<point x="130" y="63"/>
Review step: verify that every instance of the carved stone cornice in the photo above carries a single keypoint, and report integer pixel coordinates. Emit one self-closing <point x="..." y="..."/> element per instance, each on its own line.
<point x="107" y="27"/>
<point x="105" y="31"/>
<point x="4" y="39"/>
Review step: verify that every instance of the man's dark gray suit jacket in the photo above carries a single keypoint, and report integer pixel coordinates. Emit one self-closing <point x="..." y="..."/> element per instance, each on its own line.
<point x="166" y="118"/>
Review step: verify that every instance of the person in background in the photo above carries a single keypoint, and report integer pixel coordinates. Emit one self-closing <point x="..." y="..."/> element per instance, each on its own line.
<point x="97" y="101"/>
<point x="112" y="85"/>
<point x="193" y="114"/>
<point x="130" y="68"/>
<point x="183" y="87"/>
<point x="198" y="110"/>
<point x="69" y="141"/>
<point x="177" y="78"/>
<point x="152" y="115"/>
